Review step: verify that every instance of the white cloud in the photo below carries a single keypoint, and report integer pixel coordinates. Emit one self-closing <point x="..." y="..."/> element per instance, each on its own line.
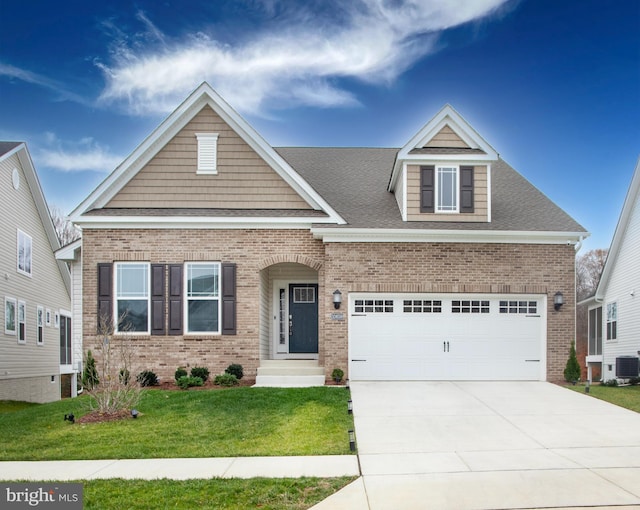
<point x="16" y="73"/>
<point x="297" y="59"/>
<point x="83" y="155"/>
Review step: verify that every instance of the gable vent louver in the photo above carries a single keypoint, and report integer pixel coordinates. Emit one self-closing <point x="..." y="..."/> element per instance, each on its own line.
<point x="207" y="153"/>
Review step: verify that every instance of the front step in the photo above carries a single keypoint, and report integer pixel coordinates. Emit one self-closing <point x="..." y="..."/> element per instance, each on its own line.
<point x="290" y="373"/>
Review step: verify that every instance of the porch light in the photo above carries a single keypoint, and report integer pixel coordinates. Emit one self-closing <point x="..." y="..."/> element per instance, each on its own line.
<point x="337" y="298"/>
<point x="346" y="386"/>
<point x="134" y="413"/>
<point x="70" y="418"/>
<point x="352" y="440"/>
<point x="349" y="407"/>
<point x="558" y="301"/>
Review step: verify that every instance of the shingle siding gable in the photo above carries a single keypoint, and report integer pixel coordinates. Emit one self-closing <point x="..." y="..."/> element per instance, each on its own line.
<point x="243" y="179"/>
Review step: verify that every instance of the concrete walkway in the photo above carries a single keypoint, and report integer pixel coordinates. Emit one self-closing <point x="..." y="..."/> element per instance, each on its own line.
<point x="182" y="469"/>
<point x="476" y="445"/>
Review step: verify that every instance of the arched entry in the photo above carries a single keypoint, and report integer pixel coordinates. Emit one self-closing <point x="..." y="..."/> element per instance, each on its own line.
<point x="291" y="302"/>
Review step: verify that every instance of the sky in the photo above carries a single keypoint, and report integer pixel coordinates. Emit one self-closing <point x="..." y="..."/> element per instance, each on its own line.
<point x="552" y="85"/>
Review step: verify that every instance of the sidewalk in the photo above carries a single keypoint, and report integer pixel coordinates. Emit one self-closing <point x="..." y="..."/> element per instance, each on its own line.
<point x="323" y="466"/>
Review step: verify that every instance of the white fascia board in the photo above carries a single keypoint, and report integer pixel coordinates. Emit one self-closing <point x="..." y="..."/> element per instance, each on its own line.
<point x="633" y="195"/>
<point x="447" y="115"/>
<point x="171" y="126"/>
<point x="181" y="222"/>
<point x="363" y="235"/>
<point x="489" y="193"/>
<point x="69" y="252"/>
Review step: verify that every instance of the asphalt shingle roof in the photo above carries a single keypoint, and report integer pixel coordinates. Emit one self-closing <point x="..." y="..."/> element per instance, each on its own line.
<point x="7" y="146"/>
<point x="354" y="182"/>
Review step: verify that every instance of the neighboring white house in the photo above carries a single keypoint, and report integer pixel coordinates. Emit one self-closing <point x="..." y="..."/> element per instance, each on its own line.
<point x="614" y="311"/>
<point x="35" y="332"/>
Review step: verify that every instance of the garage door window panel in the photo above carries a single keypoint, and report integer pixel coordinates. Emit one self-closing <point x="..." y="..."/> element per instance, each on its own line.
<point x="422" y="306"/>
<point x="470" y="306"/>
<point x="522" y="307"/>
<point x="373" y="306"/>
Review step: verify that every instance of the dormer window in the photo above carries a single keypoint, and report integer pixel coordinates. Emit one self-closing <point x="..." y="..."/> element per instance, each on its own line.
<point x="446" y="189"/>
<point x="207" y="153"/>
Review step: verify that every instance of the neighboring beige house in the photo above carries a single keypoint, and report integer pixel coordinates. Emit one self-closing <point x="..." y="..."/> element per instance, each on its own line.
<point x="613" y="334"/>
<point x="433" y="261"/>
<point x="34" y="286"/>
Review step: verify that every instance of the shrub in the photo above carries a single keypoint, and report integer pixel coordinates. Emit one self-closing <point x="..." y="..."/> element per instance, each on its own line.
<point x="337" y="374"/>
<point x="236" y="370"/>
<point x="147" y="378"/>
<point x="187" y="381"/>
<point x="201" y="372"/>
<point x="124" y="376"/>
<point x="90" y="373"/>
<point x="226" y="380"/>
<point x="634" y="380"/>
<point x="572" y="370"/>
<point x="611" y="383"/>
<point x="180" y="372"/>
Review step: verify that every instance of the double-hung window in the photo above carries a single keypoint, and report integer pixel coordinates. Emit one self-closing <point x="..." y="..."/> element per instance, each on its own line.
<point x="22" y="322"/>
<point x="132" y="297"/>
<point x="40" y="325"/>
<point x="24" y="253"/>
<point x="612" y="321"/>
<point x="202" y="291"/>
<point x="447" y="189"/>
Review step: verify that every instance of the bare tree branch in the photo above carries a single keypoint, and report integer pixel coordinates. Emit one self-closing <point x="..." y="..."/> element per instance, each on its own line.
<point x="65" y="230"/>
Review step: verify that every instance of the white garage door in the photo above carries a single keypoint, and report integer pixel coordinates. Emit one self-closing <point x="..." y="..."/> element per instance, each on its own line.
<point x="453" y="337"/>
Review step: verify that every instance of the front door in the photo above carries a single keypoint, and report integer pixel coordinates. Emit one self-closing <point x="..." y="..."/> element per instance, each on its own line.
<point x="303" y="318"/>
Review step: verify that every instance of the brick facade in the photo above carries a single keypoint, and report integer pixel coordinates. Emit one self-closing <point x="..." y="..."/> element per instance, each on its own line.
<point x="350" y="267"/>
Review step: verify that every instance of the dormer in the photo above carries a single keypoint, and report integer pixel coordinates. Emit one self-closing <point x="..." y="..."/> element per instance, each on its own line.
<point x="444" y="172"/>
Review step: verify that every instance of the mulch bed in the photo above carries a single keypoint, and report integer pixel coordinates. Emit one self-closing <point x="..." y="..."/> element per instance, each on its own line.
<point x="98" y="417"/>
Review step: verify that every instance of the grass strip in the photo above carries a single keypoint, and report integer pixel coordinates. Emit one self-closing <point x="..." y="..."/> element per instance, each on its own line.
<point x="234" y="422"/>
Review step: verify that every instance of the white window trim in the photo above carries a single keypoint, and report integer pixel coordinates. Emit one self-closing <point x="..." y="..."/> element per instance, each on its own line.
<point x="207" y="153"/>
<point x="39" y="325"/>
<point x="8" y="331"/>
<point x="187" y="298"/>
<point x="26" y="236"/>
<point x="437" y="208"/>
<point x="607" y="321"/>
<point x="22" y="304"/>
<point x="116" y="297"/>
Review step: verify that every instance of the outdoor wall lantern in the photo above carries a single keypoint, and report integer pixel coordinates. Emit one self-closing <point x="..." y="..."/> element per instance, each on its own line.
<point x="349" y="407"/>
<point x="337" y="299"/>
<point x="558" y="301"/>
<point x="352" y="440"/>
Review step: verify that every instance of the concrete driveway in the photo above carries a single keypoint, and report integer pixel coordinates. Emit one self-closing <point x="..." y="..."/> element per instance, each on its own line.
<point x="491" y="445"/>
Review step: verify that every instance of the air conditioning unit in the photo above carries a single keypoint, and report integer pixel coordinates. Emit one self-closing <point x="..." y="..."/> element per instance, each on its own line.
<point x="627" y="366"/>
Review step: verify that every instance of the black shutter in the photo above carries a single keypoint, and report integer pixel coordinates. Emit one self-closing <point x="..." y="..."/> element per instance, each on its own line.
<point x="466" y="189"/>
<point x="105" y="297"/>
<point x="157" y="299"/>
<point x="427" y="189"/>
<point x="175" y="299"/>
<point x="228" y="299"/>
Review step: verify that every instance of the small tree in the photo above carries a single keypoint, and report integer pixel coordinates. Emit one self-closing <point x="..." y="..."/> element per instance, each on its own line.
<point x="114" y="390"/>
<point x="572" y="370"/>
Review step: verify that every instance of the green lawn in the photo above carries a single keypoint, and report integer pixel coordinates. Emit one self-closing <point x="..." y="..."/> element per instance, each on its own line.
<point x="206" y="423"/>
<point x="623" y="396"/>
<point x="216" y="494"/>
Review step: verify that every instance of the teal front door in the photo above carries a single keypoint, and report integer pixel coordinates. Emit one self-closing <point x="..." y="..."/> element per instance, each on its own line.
<point x="303" y="318"/>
